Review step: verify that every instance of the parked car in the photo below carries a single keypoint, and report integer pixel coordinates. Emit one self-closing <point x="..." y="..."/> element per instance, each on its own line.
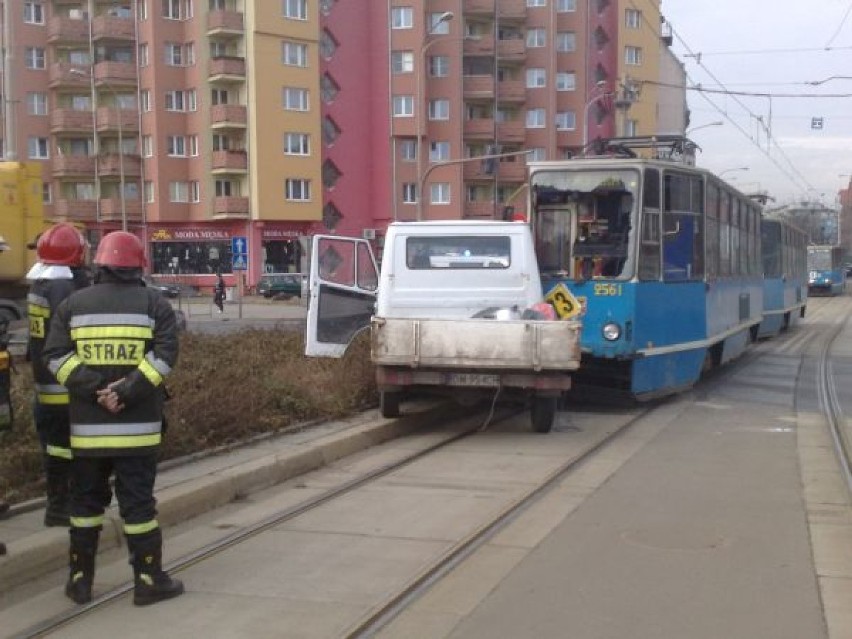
<point x="280" y="285"/>
<point x="166" y="288"/>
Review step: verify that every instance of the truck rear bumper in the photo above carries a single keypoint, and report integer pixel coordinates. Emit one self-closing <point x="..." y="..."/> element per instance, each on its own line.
<point x="401" y="377"/>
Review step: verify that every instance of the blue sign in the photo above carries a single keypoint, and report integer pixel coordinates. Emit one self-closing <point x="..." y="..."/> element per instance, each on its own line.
<point x="239" y="253"/>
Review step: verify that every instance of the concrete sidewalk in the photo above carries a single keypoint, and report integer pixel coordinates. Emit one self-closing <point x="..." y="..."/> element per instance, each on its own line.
<point x="190" y="487"/>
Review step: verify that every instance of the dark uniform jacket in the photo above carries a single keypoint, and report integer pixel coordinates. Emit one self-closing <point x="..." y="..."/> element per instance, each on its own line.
<point x="43" y="297"/>
<point x="115" y="330"/>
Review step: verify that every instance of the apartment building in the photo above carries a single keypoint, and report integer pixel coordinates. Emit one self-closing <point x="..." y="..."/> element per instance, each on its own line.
<point x="226" y="132"/>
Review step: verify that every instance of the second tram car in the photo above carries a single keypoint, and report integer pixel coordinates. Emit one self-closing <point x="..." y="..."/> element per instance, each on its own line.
<point x="662" y="258"/>
<point x="826" y="273"/>
<point x="785" y="275"/>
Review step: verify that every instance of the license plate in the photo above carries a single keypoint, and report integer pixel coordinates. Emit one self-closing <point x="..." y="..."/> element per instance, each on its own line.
<point x="472" y="379"/>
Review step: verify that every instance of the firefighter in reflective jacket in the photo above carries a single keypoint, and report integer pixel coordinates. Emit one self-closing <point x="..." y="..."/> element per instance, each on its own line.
<point x="112" y="345"/>
<point x="57" y="273"/>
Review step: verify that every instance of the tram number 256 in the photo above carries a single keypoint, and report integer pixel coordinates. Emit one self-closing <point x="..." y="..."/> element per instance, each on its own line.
<point x="607" y="290"/>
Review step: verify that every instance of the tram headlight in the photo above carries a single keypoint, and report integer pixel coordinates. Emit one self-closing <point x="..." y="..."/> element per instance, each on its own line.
<point x="611" y="331"/>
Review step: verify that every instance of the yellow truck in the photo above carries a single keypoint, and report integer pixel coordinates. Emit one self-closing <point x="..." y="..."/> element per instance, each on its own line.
<point x="21" y="220"/>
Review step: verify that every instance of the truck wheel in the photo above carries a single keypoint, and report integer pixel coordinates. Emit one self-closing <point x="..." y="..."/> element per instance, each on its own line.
<point x="543" y="413"/>
<point x="389" y="403"/>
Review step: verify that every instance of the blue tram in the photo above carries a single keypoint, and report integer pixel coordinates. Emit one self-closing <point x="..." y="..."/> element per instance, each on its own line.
<point x="785" y="275"/>
<point x="826" y="272"/>
<point x="662" y="260"/>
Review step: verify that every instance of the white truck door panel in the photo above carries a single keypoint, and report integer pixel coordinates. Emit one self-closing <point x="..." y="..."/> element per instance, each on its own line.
<point x="343" y="283"/>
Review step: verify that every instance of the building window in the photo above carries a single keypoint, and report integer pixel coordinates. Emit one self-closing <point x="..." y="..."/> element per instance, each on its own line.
<point x="536" y="78"/>
<point x="297" y="190"/>
<point x="439" y="109"/>
<point x="33" y="13"/>
<point x="327" y="45"/>
<point x="37" y="103"/>
<point x="535" y="118"/>
<point x="403" y="106"/>
<point x="408" y="150"/>
<point x="632" y="18"/>
<point x="46" y="193"/>
<point x="226" y="188"/>
<point x="147" y="146"/>
<point x="536" y="3"/>
<point x="145" y="100"/>
<point x="402" y="62"/>
<point x="330" y="131"/>
<point x="297" y="144"/>
<point x="330" y="174"/>
<point x="193" y="145"/>
<point x="177" y="9"/>
<point x="328" y="88"/>
<point x="409" y="193"/>
<point x="194" y="192"/>
<point x="221" y="142"/>
<point x="566" y="41"/>
<point x="148" y="191"/>
<point x="179" y="192"/>
<point x="439" y="151"/>
<point x="537" y="154"/>
<point x="566" y="121"/>
<point x="440" y="193"/>
<point x="439" y="66"/>
<point x="142" y="10"/>
<point x="633" y="55"/>
<point x="38" y="148"/>
<point x="402" y="18"/>
<point x="143" y="55"/>
<point x="181" y="100"/>
<point x="296" y="9"/>
<point x="566" y="81"/>
<point x="438" y="26"/>
<point x="219" y="96"/>
<point x="294" y="54"/>
<point x="631" y="128"/>
<point x="565" y="6"/>
<point x="326" y="6"/>
<point x="536" y="38"/>
<point x="180" y="55"/>
<point x="176" y="146"/>
<point x="34" y="57"/>
<point x="295" y="99"/>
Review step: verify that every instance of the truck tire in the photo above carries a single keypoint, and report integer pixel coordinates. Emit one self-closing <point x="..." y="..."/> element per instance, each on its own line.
<point x="543" y="413"/>
<point x="389" y="404"/>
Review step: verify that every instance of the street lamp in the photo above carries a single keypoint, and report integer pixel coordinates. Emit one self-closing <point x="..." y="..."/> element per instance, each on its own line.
<point x="419" y="99"/>
<point x="599" y="85"/>
<point x="122" y="197"/>
<point x="704" y="126"/>
<point x="739" y="168"/>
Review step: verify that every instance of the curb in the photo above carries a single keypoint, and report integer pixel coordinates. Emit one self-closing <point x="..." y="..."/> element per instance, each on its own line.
<point x="45" y="551"/>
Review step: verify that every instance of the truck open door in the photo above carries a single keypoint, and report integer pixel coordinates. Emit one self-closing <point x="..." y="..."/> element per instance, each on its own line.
<point x="343" y="281"/>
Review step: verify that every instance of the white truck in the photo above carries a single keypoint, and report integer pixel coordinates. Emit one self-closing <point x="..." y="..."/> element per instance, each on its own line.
<point x="453" y="311"/>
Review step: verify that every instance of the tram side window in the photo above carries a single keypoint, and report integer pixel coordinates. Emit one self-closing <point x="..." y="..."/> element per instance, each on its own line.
<point x="712" y="230"/>
<point x="683" y="231"/>
<point x="774" y="250"/>
<point x="725" y="234"/>
<point x="649" y="254"/>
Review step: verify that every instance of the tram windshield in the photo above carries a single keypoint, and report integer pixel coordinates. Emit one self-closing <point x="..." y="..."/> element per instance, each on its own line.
<point x="820" y="259"/>
<point x="583" y="222"/>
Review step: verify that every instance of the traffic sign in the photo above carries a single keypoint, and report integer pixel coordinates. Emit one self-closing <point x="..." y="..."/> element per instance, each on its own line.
<point x="239" y="253"/>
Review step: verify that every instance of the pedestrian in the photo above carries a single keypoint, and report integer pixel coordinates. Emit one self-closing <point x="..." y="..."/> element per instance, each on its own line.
<point x="112" y="345"/>
<point x="219" y="292"/>
<point x="59" y="271"/>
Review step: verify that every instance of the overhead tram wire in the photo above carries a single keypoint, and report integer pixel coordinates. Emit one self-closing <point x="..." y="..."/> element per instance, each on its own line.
<point x="751" y="94"/>
<point x="796" y="173"/>
<point x="839" y="26"/>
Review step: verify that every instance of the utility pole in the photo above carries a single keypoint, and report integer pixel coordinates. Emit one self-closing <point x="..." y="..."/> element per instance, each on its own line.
<point x="10" y="147"/>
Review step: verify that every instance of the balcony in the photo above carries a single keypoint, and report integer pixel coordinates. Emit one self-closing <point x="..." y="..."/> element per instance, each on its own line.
<point x="60" y="76"/>
<point x="225" y="116"/>
<point x="70" y="121"/>
<point x="115" y="73"/>
<point x="221" y="23"/>
<point x="112" y="165"/>
<point x="512" y="91"/>
<point x="513" y="131"/>
<point x="479" y="210"/>
<point x="227" y="69"/>
<point x="479" y="7"/>
<point x="480" y="46"/>
<point x="230" y="207"/>
<point x="113" y="28"/>
<point x="65" y="30"/>
<point x="229" y="162"/>
<point x="512" y="9"/>
<point x="478" y="86"/>
<point x="507" y="171"/>
<point x="76" y="210"/>
<point x="66" y="166"/>
<point x="512" y="50"/>
<point x="111" y="210"/>
<point x="108" y="119"/>
<point x="479" y="129"/>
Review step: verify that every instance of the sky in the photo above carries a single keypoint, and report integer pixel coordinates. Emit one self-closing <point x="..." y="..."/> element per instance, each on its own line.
<point x="775" y="47"/>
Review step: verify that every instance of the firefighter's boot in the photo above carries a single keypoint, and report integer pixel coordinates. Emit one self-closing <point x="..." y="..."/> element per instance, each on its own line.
<point x="151" y="582"/>
<point x="58" y="492"/>
<point x="84" y="548"/>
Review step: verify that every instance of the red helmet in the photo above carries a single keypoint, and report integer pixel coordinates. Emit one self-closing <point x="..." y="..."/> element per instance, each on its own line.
<point x="63" y="245"/>
<point x="121" y="249"/>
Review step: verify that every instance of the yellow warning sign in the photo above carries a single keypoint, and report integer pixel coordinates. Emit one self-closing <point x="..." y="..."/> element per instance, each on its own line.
<point x="564" y="302"/>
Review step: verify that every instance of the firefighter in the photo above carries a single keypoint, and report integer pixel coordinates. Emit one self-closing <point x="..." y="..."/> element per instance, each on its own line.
<point x="59" y="271"/>
<point x="112" y="345"/>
